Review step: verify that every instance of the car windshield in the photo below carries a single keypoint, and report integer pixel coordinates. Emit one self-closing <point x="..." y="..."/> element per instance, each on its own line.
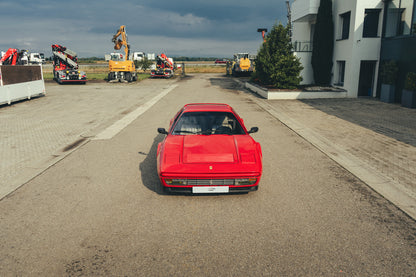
<point x="208" y="123"/>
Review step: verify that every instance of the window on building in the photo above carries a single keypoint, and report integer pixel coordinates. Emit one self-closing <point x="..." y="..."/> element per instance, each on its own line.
<point x="345" y="19"/>
<point x="341" y="73"/>
<point x="413" y="31"/>
<point x="371" y="20"/>
<point x="394" y="24"/>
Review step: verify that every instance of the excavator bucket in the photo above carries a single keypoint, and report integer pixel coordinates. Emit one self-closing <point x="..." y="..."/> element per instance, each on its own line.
<point x="118" y="44"/>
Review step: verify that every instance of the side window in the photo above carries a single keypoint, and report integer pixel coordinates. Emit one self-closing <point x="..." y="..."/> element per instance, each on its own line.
<point x="341" y="73"/>
<point x="345" y="19"/>
<point x="173" y="121"/>
<point x="371" y="20"/>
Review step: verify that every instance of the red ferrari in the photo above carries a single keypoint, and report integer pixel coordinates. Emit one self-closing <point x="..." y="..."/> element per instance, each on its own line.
<point x="207" y="149"/>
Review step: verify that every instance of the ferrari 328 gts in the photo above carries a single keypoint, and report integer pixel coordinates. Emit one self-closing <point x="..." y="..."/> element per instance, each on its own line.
<point x="207" y="149"/>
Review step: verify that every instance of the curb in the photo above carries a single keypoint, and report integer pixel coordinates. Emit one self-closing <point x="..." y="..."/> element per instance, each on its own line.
<point x="290" y="95"/>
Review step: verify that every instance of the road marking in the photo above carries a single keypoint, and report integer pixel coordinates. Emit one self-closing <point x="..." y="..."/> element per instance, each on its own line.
<point x="119" y="125"/>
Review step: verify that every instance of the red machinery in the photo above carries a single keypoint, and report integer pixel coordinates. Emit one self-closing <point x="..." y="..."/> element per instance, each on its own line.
<point x="65" y="66"/>
<point x="164" y="67"/>
<point x="263" y="32"/>
<point x="11" y="57"/>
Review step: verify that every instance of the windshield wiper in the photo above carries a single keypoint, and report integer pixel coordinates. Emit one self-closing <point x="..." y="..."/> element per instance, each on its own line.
<point x="185" y="131"/>
<point x="206" y="132"/>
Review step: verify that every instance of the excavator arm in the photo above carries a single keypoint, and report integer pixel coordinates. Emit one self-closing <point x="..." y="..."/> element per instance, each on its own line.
<point x="123" y="71"/>
<point x="118" y="43"/>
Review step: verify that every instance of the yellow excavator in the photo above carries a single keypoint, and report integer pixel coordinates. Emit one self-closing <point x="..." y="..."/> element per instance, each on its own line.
<point x="124" y="70"/>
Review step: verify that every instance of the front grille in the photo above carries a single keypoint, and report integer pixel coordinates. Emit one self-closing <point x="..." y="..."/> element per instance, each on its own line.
<point x="210" y="182"/>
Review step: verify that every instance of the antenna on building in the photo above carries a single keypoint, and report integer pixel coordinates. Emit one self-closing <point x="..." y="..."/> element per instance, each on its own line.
<point x="289" y="19"/>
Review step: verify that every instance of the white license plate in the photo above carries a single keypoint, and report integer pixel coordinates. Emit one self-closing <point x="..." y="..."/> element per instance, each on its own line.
<point x="210" y="189"/>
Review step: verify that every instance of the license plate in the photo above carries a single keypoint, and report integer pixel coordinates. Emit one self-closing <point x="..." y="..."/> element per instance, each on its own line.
<point x="210" y="189"/>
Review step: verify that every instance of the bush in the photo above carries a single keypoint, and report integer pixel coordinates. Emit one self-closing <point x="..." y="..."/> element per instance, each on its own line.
<point x="275" y="63"/>
<point x="410" y="83"/>
<point x="143" y="64"/>
<point x="388" y="72"/>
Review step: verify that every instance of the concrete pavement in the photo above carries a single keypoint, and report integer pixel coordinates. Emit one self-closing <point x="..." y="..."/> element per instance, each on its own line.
<point x="36" y="134"/>
<point x="373" y="140"/>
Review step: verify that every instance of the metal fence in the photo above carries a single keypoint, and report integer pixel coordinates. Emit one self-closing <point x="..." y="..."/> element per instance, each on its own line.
<point x="302" y="46"/>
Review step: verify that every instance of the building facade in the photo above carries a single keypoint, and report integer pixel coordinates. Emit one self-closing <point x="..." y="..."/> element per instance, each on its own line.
<point x="398" y="42"/>
<point x="365" y="32"/>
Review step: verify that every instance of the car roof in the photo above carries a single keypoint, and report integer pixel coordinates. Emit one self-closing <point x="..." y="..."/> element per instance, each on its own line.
<point x="214" y="107"/>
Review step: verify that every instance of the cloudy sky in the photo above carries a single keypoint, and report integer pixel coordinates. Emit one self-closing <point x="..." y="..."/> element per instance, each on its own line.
<point x="194" y="28"/>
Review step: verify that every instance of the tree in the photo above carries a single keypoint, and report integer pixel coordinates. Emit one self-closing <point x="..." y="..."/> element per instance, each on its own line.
<point x="275" y="62"/>
<point x="323" y="44"/>
<point x="143" y="64"/>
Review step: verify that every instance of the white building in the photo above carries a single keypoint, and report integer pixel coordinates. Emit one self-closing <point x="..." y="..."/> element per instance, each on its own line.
<point x="357" y="34"/>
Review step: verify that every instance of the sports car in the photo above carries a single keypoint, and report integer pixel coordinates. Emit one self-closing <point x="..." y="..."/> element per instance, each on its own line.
<point x="207" y="149"/>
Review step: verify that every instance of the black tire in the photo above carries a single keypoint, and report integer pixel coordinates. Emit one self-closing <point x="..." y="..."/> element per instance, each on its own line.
<point x="128" y="77"/>
<point x="110" y="76"/>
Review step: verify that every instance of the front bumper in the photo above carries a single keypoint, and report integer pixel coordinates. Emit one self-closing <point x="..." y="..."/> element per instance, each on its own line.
<point x="231" y="189"/>
<point x="186" y="185"/>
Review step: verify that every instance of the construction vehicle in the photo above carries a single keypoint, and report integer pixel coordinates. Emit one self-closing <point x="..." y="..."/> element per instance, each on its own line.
<point x="263" y="32"/>
<point x="138" y="56"/>
<point x="12" y="57"/>
<point x="36" y="58"/>
<point x="124" y="70"/>
<point x="65" y="66"/>
<point x="241" y="65"/>
<point x="164" y="67"/>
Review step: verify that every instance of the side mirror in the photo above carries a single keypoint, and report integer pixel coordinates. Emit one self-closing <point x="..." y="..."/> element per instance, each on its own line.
<point x="253" y="130"/>
<point x="162" y="131"/>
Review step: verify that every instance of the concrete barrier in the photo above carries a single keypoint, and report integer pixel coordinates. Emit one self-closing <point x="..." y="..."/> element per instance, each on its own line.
<point x="18" y="82"/>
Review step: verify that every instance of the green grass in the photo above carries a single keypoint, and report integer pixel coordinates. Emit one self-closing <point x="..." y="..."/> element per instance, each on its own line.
<point x="142" y="76"/>
<point x="97" y="76"/>
<point x="47" y="76"/>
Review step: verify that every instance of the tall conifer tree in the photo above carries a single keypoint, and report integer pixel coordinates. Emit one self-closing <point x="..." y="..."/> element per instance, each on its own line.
<point x="323" y="44"/>
<point x="275" y="63"/>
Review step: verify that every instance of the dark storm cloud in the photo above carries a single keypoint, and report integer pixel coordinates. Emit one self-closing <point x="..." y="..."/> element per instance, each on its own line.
<point x="90" y="24"/>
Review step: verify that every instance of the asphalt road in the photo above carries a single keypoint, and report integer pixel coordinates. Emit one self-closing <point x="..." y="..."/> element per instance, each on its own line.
<point x="99" y="211"/>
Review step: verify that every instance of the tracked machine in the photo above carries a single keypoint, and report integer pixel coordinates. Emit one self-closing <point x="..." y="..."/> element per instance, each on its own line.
<point x="164" y="67"/>
<point x="122" y="70"/>
<point x="65" y="66"/>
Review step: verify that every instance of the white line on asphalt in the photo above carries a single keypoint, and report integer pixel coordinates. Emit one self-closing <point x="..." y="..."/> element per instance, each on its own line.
<point x="119" y="125"/>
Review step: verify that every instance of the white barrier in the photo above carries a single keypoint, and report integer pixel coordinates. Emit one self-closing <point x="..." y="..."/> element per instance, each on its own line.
<point x="16" y="90"/>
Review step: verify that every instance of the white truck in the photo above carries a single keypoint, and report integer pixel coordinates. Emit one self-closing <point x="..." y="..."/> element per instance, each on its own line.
<point x="36" y="58"/>
<point x="113" y="57"/>
<point x="138" y="56"/>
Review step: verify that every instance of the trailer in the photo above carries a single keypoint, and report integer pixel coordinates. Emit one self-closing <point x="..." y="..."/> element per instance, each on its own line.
<point x="18" y="82"/>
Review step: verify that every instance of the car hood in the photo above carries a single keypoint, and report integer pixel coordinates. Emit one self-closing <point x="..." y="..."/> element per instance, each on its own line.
<point x="209" y="149"/>
<point x="210" y="154"/>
